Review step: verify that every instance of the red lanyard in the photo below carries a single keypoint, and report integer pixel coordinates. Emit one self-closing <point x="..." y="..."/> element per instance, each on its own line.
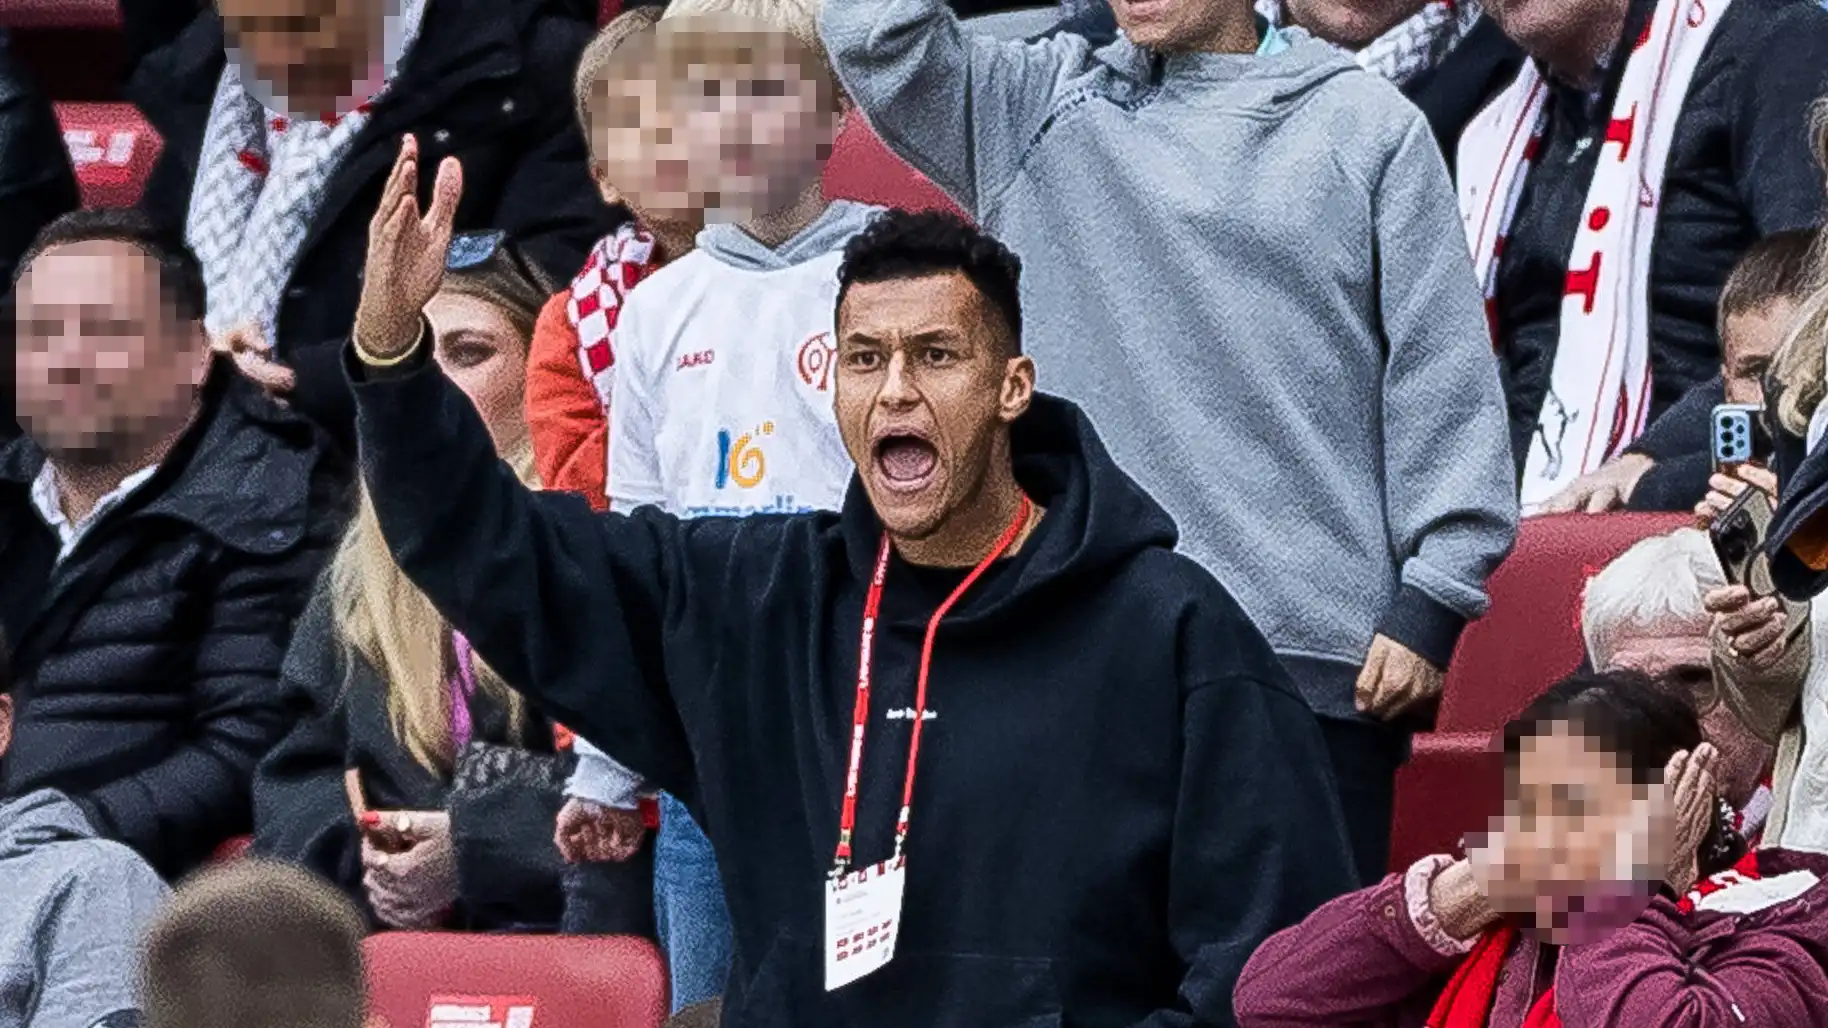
<point x="872" y="605"/>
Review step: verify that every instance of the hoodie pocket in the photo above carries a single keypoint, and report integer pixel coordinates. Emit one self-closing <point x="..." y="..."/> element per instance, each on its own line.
<point x="915" y="990"/>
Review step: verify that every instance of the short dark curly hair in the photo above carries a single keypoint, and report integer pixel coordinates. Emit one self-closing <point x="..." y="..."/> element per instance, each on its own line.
<point x="907" y="244"/>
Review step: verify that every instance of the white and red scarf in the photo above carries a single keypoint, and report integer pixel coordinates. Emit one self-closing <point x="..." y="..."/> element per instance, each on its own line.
<point x="1599" y="389"/>
<point x="261" y="176"/>
<point x="617" y="264"/>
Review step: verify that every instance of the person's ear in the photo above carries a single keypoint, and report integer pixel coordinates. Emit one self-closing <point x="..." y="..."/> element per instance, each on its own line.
<point x="206" y="356"/>
<point x="1018" y="388"/>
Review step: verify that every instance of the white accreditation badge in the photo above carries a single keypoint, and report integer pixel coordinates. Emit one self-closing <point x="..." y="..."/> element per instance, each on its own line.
<point x="862" y="917"/>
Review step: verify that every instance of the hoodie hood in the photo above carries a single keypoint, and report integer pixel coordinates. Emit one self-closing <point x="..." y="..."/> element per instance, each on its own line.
<point x="39" y="819"/>
<point x="1255" y="81"/>
<point x="1098" y="519"/>
<point x="828" y="233"/>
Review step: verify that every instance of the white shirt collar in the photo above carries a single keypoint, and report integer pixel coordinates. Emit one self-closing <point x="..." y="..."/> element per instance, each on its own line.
<point x="49" y="502"/>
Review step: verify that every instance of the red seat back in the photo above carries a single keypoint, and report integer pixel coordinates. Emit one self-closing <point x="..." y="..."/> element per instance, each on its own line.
<point x="863" y="169"/>
<point x="113" y="149"/>
<point x="607" y="11"/>
<point x="445" y="979"/>
<point x="1531" y="636"/>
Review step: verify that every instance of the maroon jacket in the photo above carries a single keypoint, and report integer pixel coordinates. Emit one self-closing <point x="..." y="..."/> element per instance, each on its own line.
<point x="1364" y="961"/>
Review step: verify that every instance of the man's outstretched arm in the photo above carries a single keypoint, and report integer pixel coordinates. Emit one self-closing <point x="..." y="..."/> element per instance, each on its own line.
<point x="570" y="607"/>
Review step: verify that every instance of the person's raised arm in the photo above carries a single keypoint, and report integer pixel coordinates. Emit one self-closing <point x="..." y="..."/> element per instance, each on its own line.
<point x="959" y="108"/>
<point x="570" y="607"/>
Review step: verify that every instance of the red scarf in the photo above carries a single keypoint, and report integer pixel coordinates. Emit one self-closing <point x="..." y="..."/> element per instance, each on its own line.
<point x="1467" y="1000"/>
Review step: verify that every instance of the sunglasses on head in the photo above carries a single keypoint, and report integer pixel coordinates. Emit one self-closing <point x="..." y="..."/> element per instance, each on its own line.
<point x="472" y="250"/>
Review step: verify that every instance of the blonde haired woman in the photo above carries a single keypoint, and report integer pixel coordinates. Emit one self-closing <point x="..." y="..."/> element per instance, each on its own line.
<point x="413" y="777"/>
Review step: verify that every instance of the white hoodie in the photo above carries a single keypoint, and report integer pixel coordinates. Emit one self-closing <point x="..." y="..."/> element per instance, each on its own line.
<point x="722" y="402"/>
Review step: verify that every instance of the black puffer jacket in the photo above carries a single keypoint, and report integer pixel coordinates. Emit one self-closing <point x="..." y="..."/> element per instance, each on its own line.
<point x="146" y="662"/>
<point x="503" y="801"/>
<point x="488" y="81"/>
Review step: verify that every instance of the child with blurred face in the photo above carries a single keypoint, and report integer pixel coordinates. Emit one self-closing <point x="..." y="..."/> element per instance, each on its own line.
<point x="1612" y="890"/>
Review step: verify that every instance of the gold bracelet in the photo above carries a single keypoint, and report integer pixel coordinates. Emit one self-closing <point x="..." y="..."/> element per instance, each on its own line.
<point x="369" y="358"/>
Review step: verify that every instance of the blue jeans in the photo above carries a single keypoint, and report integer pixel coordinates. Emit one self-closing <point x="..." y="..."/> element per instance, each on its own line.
<point x="689" y="908"/>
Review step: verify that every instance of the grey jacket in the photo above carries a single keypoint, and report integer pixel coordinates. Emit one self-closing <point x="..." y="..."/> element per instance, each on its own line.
<point x="1251" y="273"/>
<point x="72" y="909"/>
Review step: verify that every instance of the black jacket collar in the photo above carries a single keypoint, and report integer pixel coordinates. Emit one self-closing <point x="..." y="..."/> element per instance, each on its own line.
<point x="241" y="473"/>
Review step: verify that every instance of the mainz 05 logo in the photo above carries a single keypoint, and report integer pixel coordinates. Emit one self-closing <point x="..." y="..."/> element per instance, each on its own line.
<point x="740" y="460"/>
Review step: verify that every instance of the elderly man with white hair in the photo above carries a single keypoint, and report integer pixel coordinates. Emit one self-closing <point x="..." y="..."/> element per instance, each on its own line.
<point x="1645" y="613"/>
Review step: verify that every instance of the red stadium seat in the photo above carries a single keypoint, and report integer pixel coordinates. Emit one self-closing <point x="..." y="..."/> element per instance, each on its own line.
<point x="607" y="11"/>
<point x="113" y="148"/>
<point x="863" y="169"/>
<point x="449" y="980"/>
<point x="1530" y="638"/>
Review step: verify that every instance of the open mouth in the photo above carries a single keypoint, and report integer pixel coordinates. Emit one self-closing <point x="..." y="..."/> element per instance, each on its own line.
<point x="906" y="462"/>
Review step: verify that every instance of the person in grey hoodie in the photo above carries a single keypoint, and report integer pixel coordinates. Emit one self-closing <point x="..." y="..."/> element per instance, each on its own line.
<point x="72" y="909"/>
<point x="1245" y="261"/>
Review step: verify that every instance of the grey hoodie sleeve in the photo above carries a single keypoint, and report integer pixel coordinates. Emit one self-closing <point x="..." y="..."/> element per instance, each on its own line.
<point x="89" y="948"/>
<point x="1450" y="496"/>
<point x="960" y="108"/>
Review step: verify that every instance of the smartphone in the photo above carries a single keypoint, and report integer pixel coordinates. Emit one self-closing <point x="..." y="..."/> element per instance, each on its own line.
<point x="1738" y="436"/>
<point x="1738" y="535"/>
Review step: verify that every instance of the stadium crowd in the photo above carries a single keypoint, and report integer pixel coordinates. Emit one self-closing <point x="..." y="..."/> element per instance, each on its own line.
<point x="491" y="486"/>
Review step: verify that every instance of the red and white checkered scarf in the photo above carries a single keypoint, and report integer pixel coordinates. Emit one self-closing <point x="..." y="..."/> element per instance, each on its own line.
<point x="616" y="265"/>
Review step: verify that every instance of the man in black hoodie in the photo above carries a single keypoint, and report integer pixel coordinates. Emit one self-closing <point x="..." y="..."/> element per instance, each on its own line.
<point x="1119" y="793"/>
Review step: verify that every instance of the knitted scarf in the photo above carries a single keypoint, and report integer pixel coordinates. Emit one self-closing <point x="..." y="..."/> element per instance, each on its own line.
<point x="1599" y="394"/>
<point x="1466" y="1002"/>
<point x="616" y="264"/>
<point x="1412" y="46"/>
<point x="261" y="177"/>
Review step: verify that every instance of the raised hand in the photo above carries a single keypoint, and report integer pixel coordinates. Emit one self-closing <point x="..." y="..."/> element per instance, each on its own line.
<point x="406" y="254"/>
<point x="1688" y="780"/>
<point x="253" y="357"/>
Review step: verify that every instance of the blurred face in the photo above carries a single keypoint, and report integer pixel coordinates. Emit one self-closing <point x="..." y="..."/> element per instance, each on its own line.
<point x="1684" y="660"/>
<point x="642" y="151"/>
<point x="1174" y="26"/>
<point x="925" y="395"/>
<point x="1583" y="843"/>
<point x="1749" y="342"/>
<point x="1351" y="23"/>
<point x="1570" y="36"/>
<point x="486" y="356"/>
<point x="308" y="54"/>
<point x="757" y="133"/>
<point x="105" y="369"/>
